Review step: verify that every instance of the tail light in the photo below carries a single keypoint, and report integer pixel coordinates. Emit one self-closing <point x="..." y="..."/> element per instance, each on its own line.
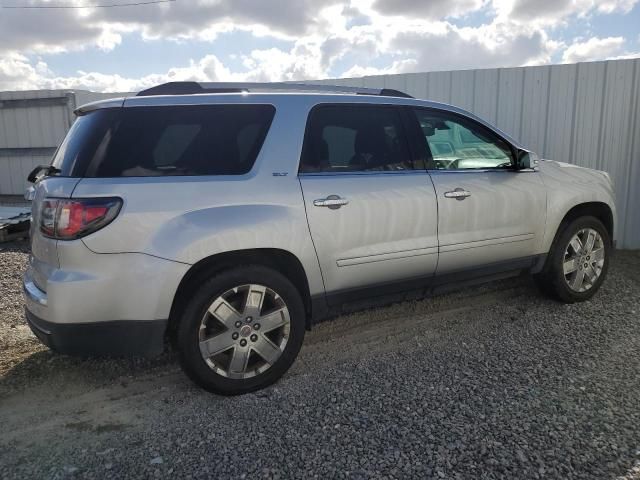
<point x="64" y="219"/>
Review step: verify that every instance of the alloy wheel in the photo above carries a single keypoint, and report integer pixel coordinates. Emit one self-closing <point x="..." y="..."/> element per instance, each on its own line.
<point x="583" y="260"/>
<point x="244" y="331"/>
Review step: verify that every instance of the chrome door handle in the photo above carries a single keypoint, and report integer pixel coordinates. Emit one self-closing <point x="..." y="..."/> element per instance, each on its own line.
<point x="332" y="201"/>
<point x="458" y="194"/>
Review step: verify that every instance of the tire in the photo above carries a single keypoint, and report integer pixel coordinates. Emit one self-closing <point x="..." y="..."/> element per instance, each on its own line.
<point x="201" y="331"/>
<point x="566" y="287"/>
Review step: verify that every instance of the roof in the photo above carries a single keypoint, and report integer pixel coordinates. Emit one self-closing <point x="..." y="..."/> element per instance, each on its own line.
<point x="194" y="93"/>
<point x="189" y="88"/>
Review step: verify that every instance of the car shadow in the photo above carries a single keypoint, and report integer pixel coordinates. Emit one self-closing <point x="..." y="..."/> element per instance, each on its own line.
<point x="49" y="368"/>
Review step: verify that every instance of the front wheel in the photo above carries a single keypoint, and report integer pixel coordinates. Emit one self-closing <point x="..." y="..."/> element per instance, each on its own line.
<point x="578" y="261"/>
<point x="241" y="331"/>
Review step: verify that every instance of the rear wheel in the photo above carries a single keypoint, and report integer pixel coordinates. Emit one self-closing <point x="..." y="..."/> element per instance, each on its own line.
<point x="241" y="331"/>
<point x="578" y="261"/>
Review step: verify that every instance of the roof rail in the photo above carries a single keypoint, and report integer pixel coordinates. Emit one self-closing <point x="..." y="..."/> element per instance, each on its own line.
<point x="187" y="88"/>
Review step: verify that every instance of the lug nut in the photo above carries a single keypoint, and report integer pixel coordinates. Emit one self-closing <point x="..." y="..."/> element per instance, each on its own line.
<point x="254" y="337"/>
<point x="238" y="324"/>
<point x="235" y="335"/>
<point x="243" y="343"/>
<point x="249" y="319"/>
<point x="256" y="326"/>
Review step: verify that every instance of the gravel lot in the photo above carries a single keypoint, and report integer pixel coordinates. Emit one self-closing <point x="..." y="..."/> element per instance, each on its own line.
<point x="491" y="382"/>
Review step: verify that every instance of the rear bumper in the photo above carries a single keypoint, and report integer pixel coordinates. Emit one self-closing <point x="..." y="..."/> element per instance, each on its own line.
<point x="96" y="305"/>
<point x="116" y="338"/>
<point x="94" y="288"/>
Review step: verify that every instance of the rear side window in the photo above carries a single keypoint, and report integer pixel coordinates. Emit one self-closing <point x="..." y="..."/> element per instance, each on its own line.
<point x="162" y="141"/>
<point x="352" y="138"/>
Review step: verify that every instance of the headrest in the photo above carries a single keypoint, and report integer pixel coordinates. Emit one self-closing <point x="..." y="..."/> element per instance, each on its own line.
<point x="371" y="139"/>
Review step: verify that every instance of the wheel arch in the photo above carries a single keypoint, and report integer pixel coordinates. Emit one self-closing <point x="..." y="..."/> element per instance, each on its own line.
<point x="600" y="210"/>
<point x="280" y="260"/>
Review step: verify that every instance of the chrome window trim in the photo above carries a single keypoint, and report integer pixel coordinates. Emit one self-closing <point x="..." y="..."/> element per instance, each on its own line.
<point x="484" y="170"/>
<point x="473" y="170"/>
<point x="362" y="173"/>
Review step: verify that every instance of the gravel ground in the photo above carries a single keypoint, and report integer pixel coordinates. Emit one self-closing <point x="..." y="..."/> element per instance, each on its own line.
<point x="490" y="382"/>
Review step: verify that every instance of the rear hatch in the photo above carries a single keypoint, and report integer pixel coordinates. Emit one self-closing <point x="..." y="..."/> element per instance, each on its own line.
<point x="108" y="150"/>
<point x="44" y="255"/>
<point x="59" y="182"/>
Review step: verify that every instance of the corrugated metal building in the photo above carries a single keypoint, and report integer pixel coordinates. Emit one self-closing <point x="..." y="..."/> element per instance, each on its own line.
<point x="586" y="113"/>
<point x="32" y="124"/>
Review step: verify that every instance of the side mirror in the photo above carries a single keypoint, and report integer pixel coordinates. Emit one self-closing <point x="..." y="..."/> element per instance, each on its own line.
<point x="41" y="171"/>
<point x="527" y="160"/>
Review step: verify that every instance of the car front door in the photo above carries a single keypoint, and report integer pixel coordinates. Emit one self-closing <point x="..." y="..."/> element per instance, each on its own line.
<point x="489" y="212"/>
<point x="372" y="212"/>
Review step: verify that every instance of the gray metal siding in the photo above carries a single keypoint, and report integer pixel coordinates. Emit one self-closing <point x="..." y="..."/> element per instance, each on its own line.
<point x="32" y="125"/>
<point x="586" y="114"/>
<point x="36" y="125"/>
<point x="27" y="121"/>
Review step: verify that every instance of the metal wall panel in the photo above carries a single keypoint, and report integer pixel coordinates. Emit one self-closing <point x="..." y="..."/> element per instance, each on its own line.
<point x="535" y="105"/>
<point x="33" y="125"/>
<point x="28" y="122"/>
<point x="462" y="89"/>
<point x="36" y="119"/>
<point x="586" y="114"/>
<point x="631" y="206"/>
<point x="14" y="171"/>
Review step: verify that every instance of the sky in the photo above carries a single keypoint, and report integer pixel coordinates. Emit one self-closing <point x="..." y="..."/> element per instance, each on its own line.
<point x="128" y="48"/>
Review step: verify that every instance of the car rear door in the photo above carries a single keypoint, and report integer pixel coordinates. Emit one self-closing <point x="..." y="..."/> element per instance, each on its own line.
<point x="372" y="212"/>
<point x="490" y="213"/>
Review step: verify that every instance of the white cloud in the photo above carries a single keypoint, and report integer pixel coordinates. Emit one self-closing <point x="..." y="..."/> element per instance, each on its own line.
<point x="494" y="45"/>
<point x="593" y="49"/>
<point x="16" y="72"/>
<point x="40" y="30"/>
<point x="275" y="65"/>
<point x="626" y="56"/>
<point x="438" y="46"/>
<point x="554" y="12"/>
<point x="396" y="67"/>
<point x="325" y="38"/>
<point x="610" y="6"/>
<point x="432" y="9"/>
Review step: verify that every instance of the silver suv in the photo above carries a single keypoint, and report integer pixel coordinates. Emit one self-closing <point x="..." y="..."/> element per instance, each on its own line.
<point x="231" y="217"/>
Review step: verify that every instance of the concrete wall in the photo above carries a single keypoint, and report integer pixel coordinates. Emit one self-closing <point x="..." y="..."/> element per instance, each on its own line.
<point x="587" y="114"/>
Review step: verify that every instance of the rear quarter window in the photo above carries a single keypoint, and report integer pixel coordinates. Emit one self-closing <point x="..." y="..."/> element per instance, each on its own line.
<point x="165" y="141"/>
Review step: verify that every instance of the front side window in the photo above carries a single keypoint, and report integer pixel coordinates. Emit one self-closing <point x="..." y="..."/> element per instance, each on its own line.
<point x="457" y="143"/>
<point x="355" y="138"/>
<point x="165" y="141"/>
